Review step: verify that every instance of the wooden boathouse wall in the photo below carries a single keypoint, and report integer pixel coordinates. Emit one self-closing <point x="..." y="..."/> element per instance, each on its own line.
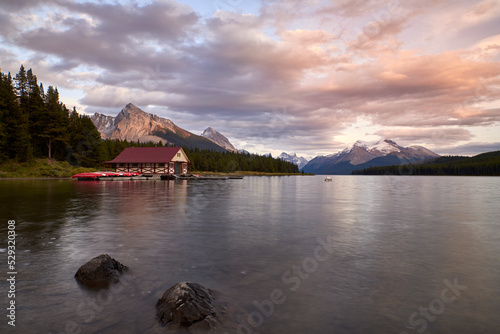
<point x="151" y="161"/>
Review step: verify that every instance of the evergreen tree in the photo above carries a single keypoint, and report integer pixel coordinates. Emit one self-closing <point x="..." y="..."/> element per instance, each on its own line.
<point x="5" y="91"/>
<point x="84" y="141"/>
<point x="22" y="85"/>
<point x="15" y="138"/>
<point x="55" y="122"/>
<point x="34" y="109"/>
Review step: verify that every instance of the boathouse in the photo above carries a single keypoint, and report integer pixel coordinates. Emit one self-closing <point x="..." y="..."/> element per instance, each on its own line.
<point x="151" y="160"/>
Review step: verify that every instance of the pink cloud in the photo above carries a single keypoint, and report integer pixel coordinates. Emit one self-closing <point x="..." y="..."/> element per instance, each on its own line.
<point x="329" y="63"/>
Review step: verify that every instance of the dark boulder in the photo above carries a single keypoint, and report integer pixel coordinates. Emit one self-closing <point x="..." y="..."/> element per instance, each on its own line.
<point x="190" y="306"/>
<point x="100" y="271"/>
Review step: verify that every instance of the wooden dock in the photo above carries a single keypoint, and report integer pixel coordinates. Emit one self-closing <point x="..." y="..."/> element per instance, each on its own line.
<point x="112" y="176"/>
<point x="200" y="178"/>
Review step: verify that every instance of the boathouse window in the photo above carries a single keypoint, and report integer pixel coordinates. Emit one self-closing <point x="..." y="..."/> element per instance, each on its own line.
<point x="161" y="165"/>
<point x="178" y="155"/>
<point x="134" y="165"/>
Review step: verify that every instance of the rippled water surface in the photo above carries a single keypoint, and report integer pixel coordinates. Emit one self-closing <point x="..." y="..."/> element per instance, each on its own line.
<point x="360" y="254"/>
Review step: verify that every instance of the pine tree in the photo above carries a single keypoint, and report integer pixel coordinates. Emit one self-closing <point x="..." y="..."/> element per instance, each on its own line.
<point x="34" y="109"/>
<point x="55" y="122"/>
<point x="22" y="84"/>
<point x="16" y="139"/>
<point x="5" y="90"/>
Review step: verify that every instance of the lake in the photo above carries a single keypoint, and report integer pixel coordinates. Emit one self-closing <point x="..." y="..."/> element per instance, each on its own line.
<point x="361" y="254"/>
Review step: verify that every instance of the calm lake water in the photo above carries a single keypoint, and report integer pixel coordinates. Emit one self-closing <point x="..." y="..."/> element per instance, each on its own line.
<point x="361" y="254"/>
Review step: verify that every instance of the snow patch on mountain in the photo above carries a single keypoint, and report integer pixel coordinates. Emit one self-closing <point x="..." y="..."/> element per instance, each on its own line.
<point x="293" y="158"/>
<point x="364" y="154"/>
<point x="385" y="146"/>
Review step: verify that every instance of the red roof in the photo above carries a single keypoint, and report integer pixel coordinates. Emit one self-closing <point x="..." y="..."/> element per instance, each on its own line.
<point x="146" y="155"/>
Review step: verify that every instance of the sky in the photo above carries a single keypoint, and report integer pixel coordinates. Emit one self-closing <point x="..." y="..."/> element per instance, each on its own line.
<point x="304" y="76"/>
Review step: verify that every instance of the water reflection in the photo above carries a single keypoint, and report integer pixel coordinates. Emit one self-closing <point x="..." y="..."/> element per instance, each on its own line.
<point x="393" y="241"/>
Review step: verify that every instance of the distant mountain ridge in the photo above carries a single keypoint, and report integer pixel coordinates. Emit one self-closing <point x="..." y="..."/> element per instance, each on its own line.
<point x="219" y="139"/>
<point x="365" y="154"/>
<point x="293" y="158"/>
<point x="484" y="164"/>
<point x="134" y="124"/>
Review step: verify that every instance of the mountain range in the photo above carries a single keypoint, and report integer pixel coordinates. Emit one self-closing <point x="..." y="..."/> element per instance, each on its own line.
<point x="293" y="158"/>
<point x="134" y="124"/>
<point x="484" y="164"/>
<point x="367" y="154"/>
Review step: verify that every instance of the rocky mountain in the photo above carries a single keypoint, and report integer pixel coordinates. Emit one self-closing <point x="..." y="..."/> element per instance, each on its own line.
<point x="218" y="138"/>
<point x="363" y="154"/>
<point x="133" y="124"/>
<point x="293" y="158"/>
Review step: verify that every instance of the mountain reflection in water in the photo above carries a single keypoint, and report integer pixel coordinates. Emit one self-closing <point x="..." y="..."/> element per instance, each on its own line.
<point x="360" y="254"/>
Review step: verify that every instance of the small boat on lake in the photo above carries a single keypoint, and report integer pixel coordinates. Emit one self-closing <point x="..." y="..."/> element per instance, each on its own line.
<point x="328" y="179"/>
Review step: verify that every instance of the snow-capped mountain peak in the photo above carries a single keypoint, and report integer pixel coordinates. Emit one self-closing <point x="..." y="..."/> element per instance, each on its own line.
<point x="339" y="153"/>
<point x="365" y="154"/>
<point x="385" y="146"/>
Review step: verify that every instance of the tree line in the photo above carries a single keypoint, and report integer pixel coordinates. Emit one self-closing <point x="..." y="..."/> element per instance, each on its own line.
<point x="35" y="124"/>
<point x="206" y="160"/>
<point x="486" y="164"/>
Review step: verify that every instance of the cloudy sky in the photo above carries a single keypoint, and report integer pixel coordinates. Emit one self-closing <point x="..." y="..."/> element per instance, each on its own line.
<point x="305" y="76"/>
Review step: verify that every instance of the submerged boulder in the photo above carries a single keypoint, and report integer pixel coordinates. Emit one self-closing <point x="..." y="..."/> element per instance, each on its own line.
<point x="100" y="271"/>
<point x="189" y="305"/>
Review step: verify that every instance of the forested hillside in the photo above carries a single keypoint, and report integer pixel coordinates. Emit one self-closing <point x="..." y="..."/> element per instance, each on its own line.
<point x="485" y="164"/>
<point x="204" y="160"/>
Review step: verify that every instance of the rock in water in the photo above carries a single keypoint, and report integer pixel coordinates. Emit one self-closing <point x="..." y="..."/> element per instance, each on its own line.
<point x="189" y="305"/>
<point x="100" y="271"/>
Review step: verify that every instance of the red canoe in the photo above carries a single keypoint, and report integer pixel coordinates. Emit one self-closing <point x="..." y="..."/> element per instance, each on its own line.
<point x="98" y="175"/>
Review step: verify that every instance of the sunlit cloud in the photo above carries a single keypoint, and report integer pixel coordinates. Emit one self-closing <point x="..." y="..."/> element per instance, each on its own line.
<point x="292" y="76"/>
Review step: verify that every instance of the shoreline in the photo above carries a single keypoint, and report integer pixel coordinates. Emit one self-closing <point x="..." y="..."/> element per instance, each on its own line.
<point x="242" y="173"/>
<point x="250" y="173"/>
<point x="37" y="178"/>
<point x="46" y="169"/>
